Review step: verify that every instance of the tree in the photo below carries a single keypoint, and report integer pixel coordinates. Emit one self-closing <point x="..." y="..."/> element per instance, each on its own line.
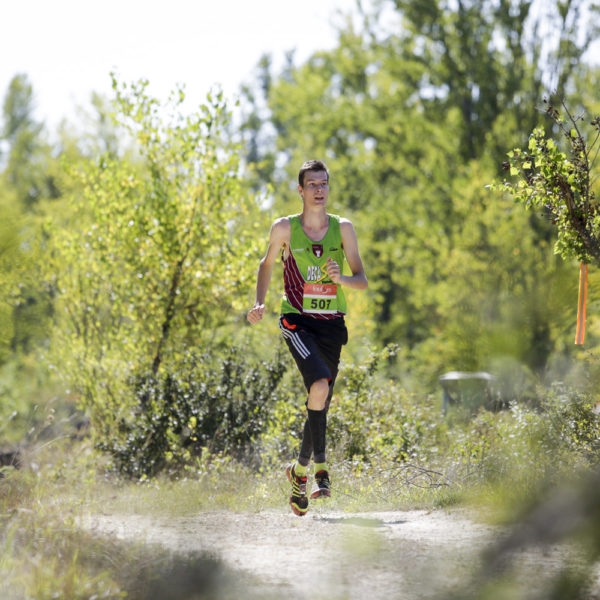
<point x="559" y="178"/>
<point x="411" y="118"/>
<point x="26" y="181"/>
<point x="10" y="256"/>
<point x="28" y="155"/>
<point x="491" y="60"/>
<point x="94" y="133"/>
<point x="158" y="254"/>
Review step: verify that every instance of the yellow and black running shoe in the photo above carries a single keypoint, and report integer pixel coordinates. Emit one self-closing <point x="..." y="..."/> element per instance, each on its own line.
<point x="298" y="499"/>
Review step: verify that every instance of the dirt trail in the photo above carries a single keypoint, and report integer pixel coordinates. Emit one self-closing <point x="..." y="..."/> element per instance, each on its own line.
<point x="326" y="554"/>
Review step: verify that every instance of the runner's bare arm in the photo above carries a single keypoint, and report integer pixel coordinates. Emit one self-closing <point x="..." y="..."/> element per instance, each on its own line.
<point x="278" y="238"/>
<point x="358" y="279"/>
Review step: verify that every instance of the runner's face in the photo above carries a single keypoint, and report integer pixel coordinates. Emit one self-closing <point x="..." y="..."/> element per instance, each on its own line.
<point x="315" y="190"/>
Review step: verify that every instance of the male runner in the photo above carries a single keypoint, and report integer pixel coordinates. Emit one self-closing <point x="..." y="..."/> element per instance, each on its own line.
<point x="313" y="246"/>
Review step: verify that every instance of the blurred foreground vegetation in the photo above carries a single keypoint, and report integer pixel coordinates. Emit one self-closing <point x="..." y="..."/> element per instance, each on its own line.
<point x="532" y="466"/>
<point x="128" y="249"/>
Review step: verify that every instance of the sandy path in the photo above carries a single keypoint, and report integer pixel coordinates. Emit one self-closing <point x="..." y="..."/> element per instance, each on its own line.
<point x="403" y="555"/>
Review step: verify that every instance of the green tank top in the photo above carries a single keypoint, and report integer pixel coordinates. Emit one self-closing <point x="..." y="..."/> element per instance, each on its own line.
<point x="307" y="288"/>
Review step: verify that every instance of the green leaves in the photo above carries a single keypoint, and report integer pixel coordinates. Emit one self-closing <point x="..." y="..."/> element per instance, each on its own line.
<point x="206" y="405"/>
<point x="159" y="253"/>
<point x="413" y="123"/>
<point x="560" y="183"/>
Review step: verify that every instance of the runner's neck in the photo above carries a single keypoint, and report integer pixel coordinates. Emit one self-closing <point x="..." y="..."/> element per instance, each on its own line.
<point x="315" y="224"/>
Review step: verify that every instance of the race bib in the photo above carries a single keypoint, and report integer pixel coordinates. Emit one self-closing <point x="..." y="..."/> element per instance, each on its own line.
<point x="319" y="298"/>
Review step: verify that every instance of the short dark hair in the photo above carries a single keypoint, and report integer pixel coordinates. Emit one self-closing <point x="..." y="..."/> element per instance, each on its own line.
<point x="311" y="165"/>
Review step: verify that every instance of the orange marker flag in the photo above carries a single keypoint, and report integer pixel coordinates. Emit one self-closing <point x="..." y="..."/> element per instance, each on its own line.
<point x="583" y="282"/>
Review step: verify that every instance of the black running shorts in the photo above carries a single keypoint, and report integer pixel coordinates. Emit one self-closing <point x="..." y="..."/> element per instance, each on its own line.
<point x="315" y="344"/>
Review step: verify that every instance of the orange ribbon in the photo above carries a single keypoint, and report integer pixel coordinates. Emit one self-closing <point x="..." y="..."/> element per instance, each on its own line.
<point x="581" y="305"/>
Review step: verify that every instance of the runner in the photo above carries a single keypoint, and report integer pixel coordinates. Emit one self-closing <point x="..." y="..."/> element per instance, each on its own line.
<point x="313" y="245"/>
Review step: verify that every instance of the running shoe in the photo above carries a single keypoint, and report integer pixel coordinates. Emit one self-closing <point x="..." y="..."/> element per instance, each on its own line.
<point x="298" y="499"/>
<point x="322" y="485"/>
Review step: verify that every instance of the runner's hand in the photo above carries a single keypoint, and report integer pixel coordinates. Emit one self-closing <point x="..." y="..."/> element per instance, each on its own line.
<point x="255" y="313"/>
<point x="333" y="270"/>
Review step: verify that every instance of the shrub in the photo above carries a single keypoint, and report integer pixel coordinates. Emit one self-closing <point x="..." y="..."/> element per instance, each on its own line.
<point x="374" y="418"/>
<point x="214" y="404"/>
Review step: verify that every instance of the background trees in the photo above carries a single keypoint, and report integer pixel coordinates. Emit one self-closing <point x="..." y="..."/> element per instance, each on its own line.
<point x="156" y="258"/>
<point x="28" y="189"/>
<point x="149" y="227"/>
<point x="414" y="112"/>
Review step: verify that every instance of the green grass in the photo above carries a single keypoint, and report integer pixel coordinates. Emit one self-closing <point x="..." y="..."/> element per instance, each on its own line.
<point x="228" y="485"/>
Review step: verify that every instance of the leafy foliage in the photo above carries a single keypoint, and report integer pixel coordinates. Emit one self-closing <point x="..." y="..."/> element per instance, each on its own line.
<point x="561" y="183"/>
<point x="214" y="406"/>
<point x="161" y="255"/>
<point x="412" y="111"/>
<point x="28" y="158"/>
<point x="376" y="420"/>
<point x="574" y="425"/>
<point x="27" y="181"/>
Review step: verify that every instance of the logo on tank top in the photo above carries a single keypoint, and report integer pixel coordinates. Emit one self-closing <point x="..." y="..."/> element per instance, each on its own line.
<point x="318" y="250"/>
<point x="313" y="273"/>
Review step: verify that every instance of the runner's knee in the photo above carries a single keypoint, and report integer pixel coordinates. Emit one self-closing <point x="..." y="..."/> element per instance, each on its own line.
<point x="317" y="396"/>
<point x="320" y="388"/>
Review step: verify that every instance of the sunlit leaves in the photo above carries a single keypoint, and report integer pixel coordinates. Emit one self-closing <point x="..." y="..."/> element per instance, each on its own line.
<point x="561" y="183"/>
<point x="159" y="253"/>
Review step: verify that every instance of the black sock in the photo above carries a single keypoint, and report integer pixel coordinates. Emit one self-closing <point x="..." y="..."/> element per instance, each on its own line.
<point x="318" y="426"/>
<point x="306" y="447"/>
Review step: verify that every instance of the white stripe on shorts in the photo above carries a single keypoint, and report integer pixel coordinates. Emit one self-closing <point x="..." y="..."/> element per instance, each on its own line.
<point x="298" y="344"/>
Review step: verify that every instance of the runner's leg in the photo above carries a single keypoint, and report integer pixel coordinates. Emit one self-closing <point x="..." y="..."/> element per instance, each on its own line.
<point x="330" y="348"/>
<point x="317" y="417"/>
<point x="316" y="348"/>
<point x="305" y="351"/>
<point x="306" y="447"/>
